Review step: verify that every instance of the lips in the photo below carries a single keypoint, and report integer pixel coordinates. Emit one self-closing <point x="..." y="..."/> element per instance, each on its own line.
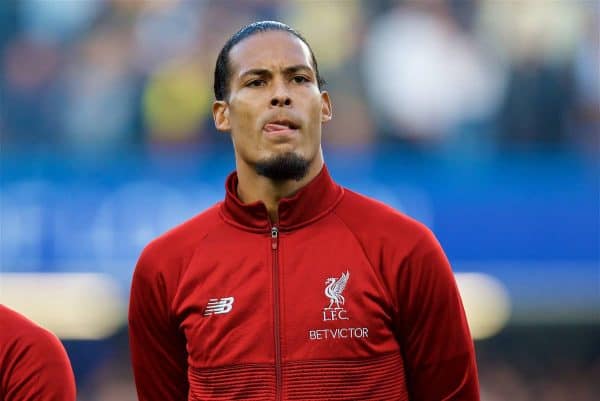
<point x="280" y="125"/>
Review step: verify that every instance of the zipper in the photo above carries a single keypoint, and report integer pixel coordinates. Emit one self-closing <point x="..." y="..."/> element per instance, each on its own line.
<point x="276" y="312"/>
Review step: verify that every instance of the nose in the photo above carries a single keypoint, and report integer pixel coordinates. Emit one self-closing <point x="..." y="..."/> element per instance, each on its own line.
<point x="281" y="97"/>
<point x="281" y="101"/>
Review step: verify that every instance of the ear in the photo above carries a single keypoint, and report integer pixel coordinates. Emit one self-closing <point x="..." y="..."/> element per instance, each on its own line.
<point x="220" y="111"/>
<point x="326" y="107"/>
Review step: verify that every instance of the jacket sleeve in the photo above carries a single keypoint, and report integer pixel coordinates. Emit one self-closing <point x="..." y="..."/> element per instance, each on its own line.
<point x="158" y="347"/>
<point x="37" y="369"/>
<point x="432" y="328"/>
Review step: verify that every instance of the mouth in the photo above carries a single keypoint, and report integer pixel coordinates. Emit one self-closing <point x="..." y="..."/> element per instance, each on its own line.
<point x="281" y="126"/>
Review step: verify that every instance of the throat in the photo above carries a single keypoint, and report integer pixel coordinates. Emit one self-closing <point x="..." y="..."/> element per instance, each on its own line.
<point x="268" y="192"/>
<point x="253" y="187"/>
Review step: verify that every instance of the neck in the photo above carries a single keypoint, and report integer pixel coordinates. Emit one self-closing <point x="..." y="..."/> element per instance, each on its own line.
<point x="253" y="187"/>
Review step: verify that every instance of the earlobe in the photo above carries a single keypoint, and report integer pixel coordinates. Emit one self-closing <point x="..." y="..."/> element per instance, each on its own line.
<point x="326" y="107"/>
<point x="220" y="111"/>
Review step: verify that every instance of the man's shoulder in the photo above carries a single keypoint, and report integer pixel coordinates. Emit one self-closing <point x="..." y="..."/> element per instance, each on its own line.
<point x="32" y="359"/>
<point x="20" y="333"/>
<point x="362" y="211"/>
<point x="379" y="226"/>
<point x="16" y="324"/>
<point x="183" y="238"/>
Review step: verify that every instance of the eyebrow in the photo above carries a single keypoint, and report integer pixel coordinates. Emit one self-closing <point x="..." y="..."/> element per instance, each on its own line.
<point x="298" y="67"/>
<point x="287" y="70"/>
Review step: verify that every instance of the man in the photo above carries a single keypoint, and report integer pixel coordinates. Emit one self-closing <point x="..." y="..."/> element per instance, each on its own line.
<point x="33" y="363"/>
<point x="293" y="288"/>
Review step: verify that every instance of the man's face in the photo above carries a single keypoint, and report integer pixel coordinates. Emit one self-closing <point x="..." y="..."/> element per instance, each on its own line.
<point x="274" y="107"/>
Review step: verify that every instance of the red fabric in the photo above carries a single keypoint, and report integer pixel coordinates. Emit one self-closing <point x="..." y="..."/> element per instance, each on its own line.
<point x="399" y="333"/>
<point x="33" y="363"/>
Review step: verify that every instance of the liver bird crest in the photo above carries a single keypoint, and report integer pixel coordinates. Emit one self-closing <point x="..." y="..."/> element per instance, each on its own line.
<point x="334" y="290"/>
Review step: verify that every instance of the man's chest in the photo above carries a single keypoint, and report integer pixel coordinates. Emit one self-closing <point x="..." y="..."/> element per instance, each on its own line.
<point x="296" y="296"/>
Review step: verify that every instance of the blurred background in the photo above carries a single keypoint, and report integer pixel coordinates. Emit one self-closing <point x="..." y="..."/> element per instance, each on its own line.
<point x="479" y="118"/>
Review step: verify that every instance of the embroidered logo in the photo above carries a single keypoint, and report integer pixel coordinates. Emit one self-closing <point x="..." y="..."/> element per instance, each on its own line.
<point x="334" y="288"/>
<point x="333" y="291"/>
<point x="218" y="306"/>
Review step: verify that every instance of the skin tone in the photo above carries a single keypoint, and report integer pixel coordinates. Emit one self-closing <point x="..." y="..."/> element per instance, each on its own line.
<point x="274" y="108"/>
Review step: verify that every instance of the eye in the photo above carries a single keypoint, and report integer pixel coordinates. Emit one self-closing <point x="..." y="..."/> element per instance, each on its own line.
<point x="256" y="83"/>
<point x="299" y="79"/>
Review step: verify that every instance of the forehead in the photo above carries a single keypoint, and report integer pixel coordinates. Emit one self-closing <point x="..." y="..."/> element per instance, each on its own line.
<point x="269" y="50"/>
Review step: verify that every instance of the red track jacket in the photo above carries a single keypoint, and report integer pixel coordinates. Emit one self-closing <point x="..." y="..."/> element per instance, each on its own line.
<point x="344" y="299"/>
<point x="33" y="363"/>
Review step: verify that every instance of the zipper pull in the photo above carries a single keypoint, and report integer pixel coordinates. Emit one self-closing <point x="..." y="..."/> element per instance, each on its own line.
<point x="274" y="236"/>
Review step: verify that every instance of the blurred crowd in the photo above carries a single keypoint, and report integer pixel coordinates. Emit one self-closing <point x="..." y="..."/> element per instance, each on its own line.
<point x="443" y="75"/>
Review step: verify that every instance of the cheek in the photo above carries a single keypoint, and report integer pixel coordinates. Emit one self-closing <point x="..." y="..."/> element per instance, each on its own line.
<point x="315" y="115"/>
<point x="242" y="116"/>
<point x="245" y="133"/>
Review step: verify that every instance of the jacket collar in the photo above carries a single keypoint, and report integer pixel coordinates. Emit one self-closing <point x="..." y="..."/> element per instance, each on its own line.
<point x="310" y="203"/>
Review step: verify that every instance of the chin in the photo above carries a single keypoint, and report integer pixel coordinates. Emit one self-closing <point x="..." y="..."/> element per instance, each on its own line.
<point x="283" y="166"/>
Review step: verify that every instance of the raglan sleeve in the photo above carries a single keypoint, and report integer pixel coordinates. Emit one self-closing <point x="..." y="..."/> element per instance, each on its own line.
<point x="158" y="347"/>
<point x="38" y="369"/>
<point x="432" y="328"/>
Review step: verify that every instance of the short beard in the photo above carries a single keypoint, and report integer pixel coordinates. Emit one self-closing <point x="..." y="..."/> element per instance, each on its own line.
<point x="288" y="166"/>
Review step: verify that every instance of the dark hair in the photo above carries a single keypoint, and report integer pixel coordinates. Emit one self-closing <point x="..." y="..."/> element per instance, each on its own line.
<point x="222" y="72"/>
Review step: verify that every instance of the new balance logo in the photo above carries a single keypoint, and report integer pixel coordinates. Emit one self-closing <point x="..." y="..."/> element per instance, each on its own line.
<point x="217" y="306"/>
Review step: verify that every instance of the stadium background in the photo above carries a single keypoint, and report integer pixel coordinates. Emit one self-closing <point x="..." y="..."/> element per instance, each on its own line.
<point x="479" y="118"/>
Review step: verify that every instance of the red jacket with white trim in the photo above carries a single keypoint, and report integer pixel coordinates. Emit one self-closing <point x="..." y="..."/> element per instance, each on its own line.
<point x="343" y="299"/>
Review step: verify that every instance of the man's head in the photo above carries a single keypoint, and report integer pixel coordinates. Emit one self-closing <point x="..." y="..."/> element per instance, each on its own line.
<point x="268" y="95"/>
<point x="222" y="67"/>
